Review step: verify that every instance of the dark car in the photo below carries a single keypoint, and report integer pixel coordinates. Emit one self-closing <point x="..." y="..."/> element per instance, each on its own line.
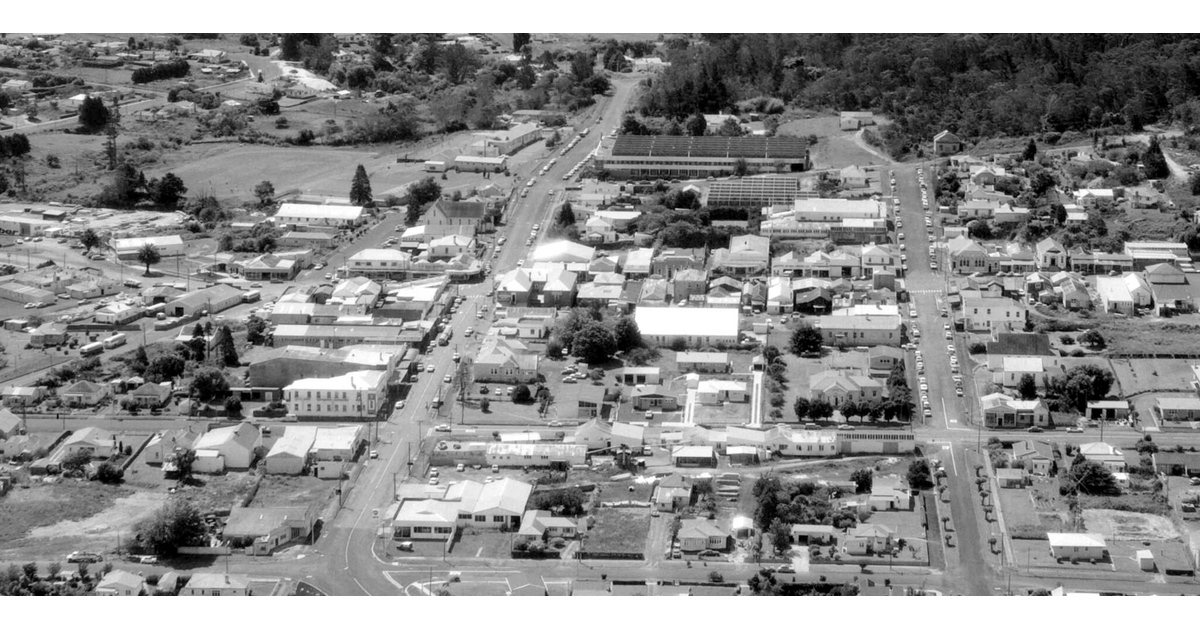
<point x="1035" y="430"/>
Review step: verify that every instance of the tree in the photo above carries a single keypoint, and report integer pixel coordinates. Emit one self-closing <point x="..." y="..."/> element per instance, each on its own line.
<point x="566" y="215"/>
<point x="1092" y="339"/>
<point x="741" y="167"/>
<point x="226" y="349"/>
<point x="1030" y="151"/>
<point x="802" y="407"/>
<point x="696" y="125"/>
<point x="93" y="115"/>
<point x="265" y="191"/>
<point x="1154" y="162"/>
<point x="979" y="229"/>
<point x="1060" y="213"/>
<point x="1027" y="387"/>
<point x="848" y="408"/>
<point x="233" y="406"/>
<point x="594" y="342"/>
<point x="209" y="384"/>
<point x="920" y="477"/>
<point x="184" y="460"/>
<point x="731" y="128"/>
<point x="781" y="537"/>
<point x="806" y="339"/>
<point x="30" y="571"/>
<point x="110" y="473"/>
<point x="1092" y="478"/>
<point x="77" y="460"/>
<point x="165" y="367"/>
<point x="176" y="524"/>
<point x="256" y="328"/>
<point x="520" y="41"/>
<point x="360" y="187"/>
<point x="521" y="394"/>
<point x="863" y="479"/>
<point x="820" y="409"/>
<point x="89" y="239"/>
<point x="425" y="191"/>
<point x="168" y="191"/>
<point x="628" y="336"/>
<point x="148" y="255"/>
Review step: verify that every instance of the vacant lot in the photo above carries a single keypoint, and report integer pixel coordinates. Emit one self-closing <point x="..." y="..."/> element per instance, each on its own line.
<point x="287" y="490"/>
<point x="1145" y="375"/>
<point x="219" y="492"/>
<point x="23" y="509"/>
<point x="1122" y="525"/>
<point x="1139" y="336"/>
<point x="621" y="530"/>
<point x="481" y="543"/>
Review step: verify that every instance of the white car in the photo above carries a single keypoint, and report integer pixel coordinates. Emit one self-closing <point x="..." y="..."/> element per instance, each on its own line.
<point x="924" y="387"/>
<point x="901" y="245"/>
<point x="912" y="312"/>
<point x="950" y="348"/>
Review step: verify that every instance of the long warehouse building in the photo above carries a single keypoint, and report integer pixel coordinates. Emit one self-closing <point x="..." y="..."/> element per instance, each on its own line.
<point x="701" y="156"/>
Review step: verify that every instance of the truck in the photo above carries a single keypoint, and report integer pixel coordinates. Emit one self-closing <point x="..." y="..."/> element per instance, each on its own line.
<point x="114" y="341"/>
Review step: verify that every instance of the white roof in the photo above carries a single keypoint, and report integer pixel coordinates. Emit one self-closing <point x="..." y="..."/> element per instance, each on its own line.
<point x="1072" y="539"/>
<point x="353" y="381"/>
<point x="218" y="580"/>
<point x="563" y="251"/>
<point x="375" y="254"/>
<point x="138" y="243"/>
<point x="1023" y="364"/>
<point x="309" y="211"/>
<point x="710" y="322"/>
<point x="296" y="442"/>
<point x="337" y="438"/>
<point x="1113" y="289"/>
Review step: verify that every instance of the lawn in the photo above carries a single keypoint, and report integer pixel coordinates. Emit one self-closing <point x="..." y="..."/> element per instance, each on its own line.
<point x="23" y="509"/>
<point x="1139" y="336"/>
<point x="1146" y="375"/>
<point x="482" y="543"/>
<point x="286" y="490"/>
<point x="619" y="530"/>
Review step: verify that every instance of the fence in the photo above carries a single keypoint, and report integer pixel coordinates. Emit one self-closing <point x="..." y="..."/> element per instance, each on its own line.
<point x="205" y="551"/>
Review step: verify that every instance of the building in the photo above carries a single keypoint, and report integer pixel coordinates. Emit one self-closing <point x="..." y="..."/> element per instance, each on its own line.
<point x="1104" y="454"/>
<point x="83" y="393"/>
<point x="1072" y="547"/>
<point x="163" y="446"/>
<point x="508" y="141"/>
<point x="48" y="334"/>
<point x="308" y="240"/>
<point x="1108" y="410"/>
<point x="697" y="535"/>
<point x="227" y="447"/>
<point x="1051" y="255"/>
<point x="1003" y="411"/>
<point x="888" y="493"/>
<point x="119" y="313"/>
<point x="492" y="505"/>
<point x="212" y="300"/>
<point x="539" y="455"/>
<point x="752" y="192"/>
<point x="694" y="327"/>
<point x="98" y="443"/>
<point x="444" y="214"/>
<point x="564" y="251"/>
<point x="838" y="387"/>
<point x="167" y="246"/>
<point x="967" y="256"/>
<point x="150" y="395"/>
<point x="703" y="362"/>
<point x="1011" y="477"/>
<point x="813" y="534"/>
<point x="352" y="395"/>
<point x="694" y="456"/>
<point x="298" y="215"/>
<point x="289" y="454"/>
<point x="1178" y="409"/>
<point x="946" y="143"/>
<point x="1124" y="294"/>
<point x="539" y="525"/>
<point x="120" y="583"/>
<point x="868" y="539"/>
<point x="9" y="424"/>
<point x="859" y="330"/>
<point x="1147" y="253"/>
<point x="341" y="336"/>
<point x="716" y="392"/>
<point x="1099" y="262"/>
<point x="480" y="164"/>
<point x="884" y="359"/>
<point x="672" y="492"/>
<point x="216" y="584"/>
<point x="746" y="255"/>
<point x="502" y="360"/>
<point x="271" y="268"/>
<point x="990" y="313"/>
<point x="1036" y="457"/>
<point x="262" y="530"/>
<point x="692" y="157"/>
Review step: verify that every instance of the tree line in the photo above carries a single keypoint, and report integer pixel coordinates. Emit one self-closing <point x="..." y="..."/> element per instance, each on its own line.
<point x="14" y="145"/>
<point x="162" y="71"/>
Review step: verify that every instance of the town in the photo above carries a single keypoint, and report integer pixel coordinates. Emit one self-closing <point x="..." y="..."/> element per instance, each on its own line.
<point x="573" y="332"/>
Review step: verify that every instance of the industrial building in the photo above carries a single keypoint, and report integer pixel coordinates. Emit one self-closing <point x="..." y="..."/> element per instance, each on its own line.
<point x="687" y="156"/>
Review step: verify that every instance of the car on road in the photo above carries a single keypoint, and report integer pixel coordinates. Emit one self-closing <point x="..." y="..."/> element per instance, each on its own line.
<point x="787" y="568"/>
<point x="374" y="454"/>
<point x="1079" y="430"/>
<point x="649" y="415"/>
<point x="456" y="358"/>
<point x="329" y="276"/>
<point x="148" y="559"/>
<point x="399" y="404"/>
<point x="555" y="424"/>
<point x="845" y="427"/>
<point x="430" y="369"/>
<point x="446" y="378"/>
<point x="1036" y="430"/>
<point x="442" y="428"/>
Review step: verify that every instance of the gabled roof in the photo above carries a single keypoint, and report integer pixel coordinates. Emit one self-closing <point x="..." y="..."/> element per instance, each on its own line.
<point x="253" y="522"/>
<point x="9" y="421"/>
<point x="244" y="434"/>
<point x="122" y="579"/>
<point x="80" y="387"/>
<point x="946" y="136"/>
<point x="505" y="494"/>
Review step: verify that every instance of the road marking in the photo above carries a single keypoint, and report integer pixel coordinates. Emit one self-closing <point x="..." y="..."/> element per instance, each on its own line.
<point x="953" y="462"/>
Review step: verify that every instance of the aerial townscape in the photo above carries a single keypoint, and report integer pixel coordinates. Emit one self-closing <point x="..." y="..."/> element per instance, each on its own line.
<point x="559" y="314"/>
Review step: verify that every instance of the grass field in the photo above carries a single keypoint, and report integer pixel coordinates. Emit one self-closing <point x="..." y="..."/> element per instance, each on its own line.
<point x="621" y="530"/>
<point x="24" y="510"/>
<point x="1137" y="336"/>
<point x="1143" y="375"/>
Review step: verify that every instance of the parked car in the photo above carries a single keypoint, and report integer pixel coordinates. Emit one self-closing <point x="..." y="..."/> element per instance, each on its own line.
<point x="1035" y="430"/>
<point x="374" y="454"/>
<point x="399" y="404"/>
<point x="1080" y="430"/>
<point x="442" y="428"/>
<point x="84" y="556"/>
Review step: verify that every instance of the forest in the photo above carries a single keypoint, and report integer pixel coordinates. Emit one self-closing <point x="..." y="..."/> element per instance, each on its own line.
<point x="978" y="86"/>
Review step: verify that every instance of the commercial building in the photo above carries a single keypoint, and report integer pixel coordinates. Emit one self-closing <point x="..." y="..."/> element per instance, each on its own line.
<point x="213" y="299"/>
<point x="167" y="246"/>
<point x="688" y="156"/>
<point x="275" y="368"/>
<point x="295" y="215"/>
<point x="261" y="530"/>
<point x="859" y="330"/>
<point x="340" y="336"/>
<point x="692" y="326"/>
<point x="1003" y="411"/>
<point x="441" y="512"/>
<point x="535" y="455"/>
<point x="752" y="192"/>
<point x="352" y="395"/>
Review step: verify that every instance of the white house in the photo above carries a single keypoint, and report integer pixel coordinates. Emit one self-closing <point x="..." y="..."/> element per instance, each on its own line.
<point x="121" y="583"/>
<point x="326" y="216"/>
<point x="1073" y="546"/>
<point x="216" y="584"/>
<point x="991" y="313"/>
<point x="233" y="446"/>
<point x="352" y="395"/>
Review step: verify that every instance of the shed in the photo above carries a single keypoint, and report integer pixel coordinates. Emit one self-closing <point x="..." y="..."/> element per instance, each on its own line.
<point x="1145" y="559"/>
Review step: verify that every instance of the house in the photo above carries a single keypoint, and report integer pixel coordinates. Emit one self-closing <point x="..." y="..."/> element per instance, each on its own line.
<point x="697" y="456"/>
<point x="672" y="492"/>
<point x="746" y="255"/>
<point x="1124" y="294"/>
<point x="120" y="583"/>
<point x="838" y="387"/>
<point x="1003" y="411"/>
<point x="967" y="256"/>
<point x="1093" y="197"/>
<point x="493" y="505"/>
<point x="653" y="398"/>
<point x="1076" y="546"/>
<point x="541" y="525"/>
<point x="1170" y="289"/>
<point x="1178" y="409"/>
<point x="216" y="584"/>
<point x="1011" y="477"/>
<point x="992" y="313"/>
<point x="502" y="360"/>
<point x="262" y="530"/>
<point x="271" y="268"/>
<point x="83" y="393"/>
<point x="150" y="395"/>
<point x="15" y="396"/>
<point x="884" y="358"/>
<point x="100" y="444"/>
<point x="9" y="424"/>
<point x="888" y="494"/>
<point x="853" y="177"/>
<point x="946" y="143"/>
<point x="1036" y="457"/>
<point x="119" y="313"/>
<point x="48" y="334"/>
<point x="703" y="362"/>
<point x="1075" y="295"/>
<point x="1178" y="464"/>
<point x="859" y="330"/>
<point x="671" y="261"/>
<point x="162" y="447"/>
<point x="697" y="535"/>
<point x="1051" y="254"/>
<point x="716" y="392"/>
<point x="228" y="447"/>
<point x="1105" y="454"/>
<point x="693" y="327"/>
<point x="1109" y="409"/>
<point x="1015" y="368"/>
<point x="868" y="539"/>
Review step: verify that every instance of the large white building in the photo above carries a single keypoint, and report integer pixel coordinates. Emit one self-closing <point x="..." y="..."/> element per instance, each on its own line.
<point x="694" y="326"/>
<point x="308" y="215"/>
<point x="492" y="505"/>
<point x="352" y="395"/>
<point x="167" y="246"/>
<point x="688" y="156"/>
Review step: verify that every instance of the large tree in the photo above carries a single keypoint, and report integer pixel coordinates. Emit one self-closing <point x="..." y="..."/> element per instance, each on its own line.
<point x="863" y="479"/>
<point x="89" y="239"/>
<point x="360" y="187"/>
<point x="594" y="342"/>
<point x="265" y="192"/>
<point x="148" y="255"/>
<point x="425" y="191"/>
<point x="805" y="339"/>
<point x="802" y="407"/>
<point x="520" y="41"/>
<point x="168" y="191"/>
<point x="920" y="477"/>
<point x="226" y="349"/>
<point x="781" y="537"/>
<point x="1027" y="387"/>
<point x="627" y="334"/>
<point x="174" y="525"/>
<point x="209" y="384"/>
<point x="696" y="125"/>
<point x="93" y="115"/>
<point x="1090" y="477"/>
<point x="1154" y="162"/>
